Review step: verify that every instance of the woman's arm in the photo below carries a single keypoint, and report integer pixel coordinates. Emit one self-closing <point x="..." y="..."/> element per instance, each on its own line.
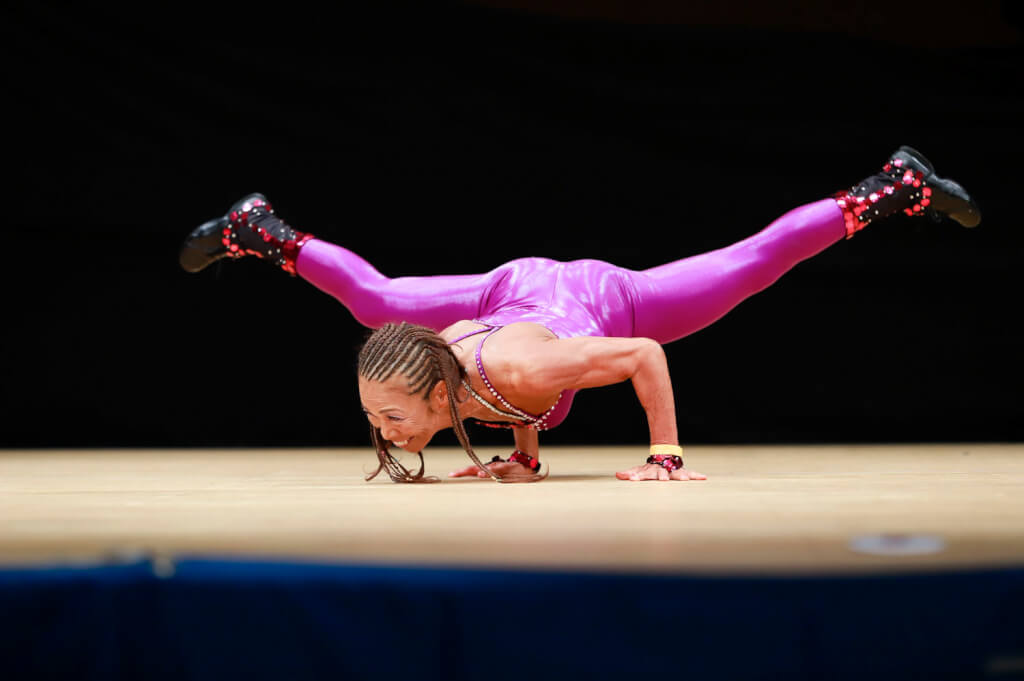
<point x="551" y="366"/>
<point x="527" y="441"/>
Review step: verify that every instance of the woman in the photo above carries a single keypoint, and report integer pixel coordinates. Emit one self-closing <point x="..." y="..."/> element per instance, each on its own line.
<point x="511" y="347"/>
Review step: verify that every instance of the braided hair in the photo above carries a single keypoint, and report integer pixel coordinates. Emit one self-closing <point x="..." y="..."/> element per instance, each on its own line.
<point x="424" y="358"/>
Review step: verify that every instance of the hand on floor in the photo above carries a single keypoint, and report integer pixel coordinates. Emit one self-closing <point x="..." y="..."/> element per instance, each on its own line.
<point x="653" y="471"/>
<point x="504" y="469"/>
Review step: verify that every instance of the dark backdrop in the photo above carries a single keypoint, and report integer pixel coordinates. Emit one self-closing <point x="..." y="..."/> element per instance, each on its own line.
<point x="448" y="138"/>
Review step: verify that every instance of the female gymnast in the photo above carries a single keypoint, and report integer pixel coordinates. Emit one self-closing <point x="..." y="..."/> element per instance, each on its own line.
<point x="511" y="347"/>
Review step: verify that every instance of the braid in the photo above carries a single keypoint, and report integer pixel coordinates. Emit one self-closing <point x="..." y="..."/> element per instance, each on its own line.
<point x="424" y="358"/>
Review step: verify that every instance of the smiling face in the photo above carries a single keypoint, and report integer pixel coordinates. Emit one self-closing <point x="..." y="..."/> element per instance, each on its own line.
<point x="398" y="359"/>
<point x="408" y="421"/>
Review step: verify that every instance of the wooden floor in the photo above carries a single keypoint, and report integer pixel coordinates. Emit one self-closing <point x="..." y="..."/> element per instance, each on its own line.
<point x="763" y="509"/>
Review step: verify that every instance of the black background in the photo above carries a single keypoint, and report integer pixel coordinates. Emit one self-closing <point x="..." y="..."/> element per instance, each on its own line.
<point x="448" y="138"/>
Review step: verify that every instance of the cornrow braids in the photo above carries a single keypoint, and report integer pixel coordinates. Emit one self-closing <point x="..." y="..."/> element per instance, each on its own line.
<point x="424" y="358"/>
<point x="396" y="471"/>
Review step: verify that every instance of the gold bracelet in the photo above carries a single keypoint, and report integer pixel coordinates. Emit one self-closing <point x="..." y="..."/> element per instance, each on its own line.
<point x="671" y="450"/>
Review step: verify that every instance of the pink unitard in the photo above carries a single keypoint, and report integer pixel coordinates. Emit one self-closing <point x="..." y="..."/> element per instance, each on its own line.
<point x="582" y="297"/>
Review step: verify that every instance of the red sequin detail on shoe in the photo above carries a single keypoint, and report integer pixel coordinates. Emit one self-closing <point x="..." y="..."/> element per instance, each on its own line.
<point x="875" y="197"/>
<point x="281" y="252"/>
<point x="849" y="218"/>
<point x="290" y="251"/>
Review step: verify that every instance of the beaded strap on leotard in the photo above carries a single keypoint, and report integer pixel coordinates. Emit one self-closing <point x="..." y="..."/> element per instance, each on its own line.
<point x="528" y="420"/>
<point x="479" y="398"/>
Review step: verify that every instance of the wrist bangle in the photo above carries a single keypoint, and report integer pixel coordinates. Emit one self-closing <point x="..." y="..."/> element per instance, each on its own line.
<point x="666" y="456"/>
<point x="525" y="459"/>
<point x="521" y="458"/>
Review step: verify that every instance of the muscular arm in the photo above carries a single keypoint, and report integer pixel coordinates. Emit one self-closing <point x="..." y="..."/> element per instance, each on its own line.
<point x="552" y="365"/>
<point x="592" y="362"/>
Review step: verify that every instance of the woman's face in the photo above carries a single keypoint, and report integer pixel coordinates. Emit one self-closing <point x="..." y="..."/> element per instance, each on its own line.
<point x="408" y="421"/>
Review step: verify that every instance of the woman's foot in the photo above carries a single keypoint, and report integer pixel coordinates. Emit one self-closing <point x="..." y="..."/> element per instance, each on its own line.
<point x="249" y="228"/>
<point x="907" y="184"/>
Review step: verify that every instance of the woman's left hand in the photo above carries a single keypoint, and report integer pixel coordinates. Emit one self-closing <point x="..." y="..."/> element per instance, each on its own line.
<point x="654" y="471"/>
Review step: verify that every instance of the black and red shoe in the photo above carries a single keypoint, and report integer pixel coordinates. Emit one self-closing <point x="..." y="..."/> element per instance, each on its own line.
<point x="249" y="228"/>
<point x="907" y="184"/>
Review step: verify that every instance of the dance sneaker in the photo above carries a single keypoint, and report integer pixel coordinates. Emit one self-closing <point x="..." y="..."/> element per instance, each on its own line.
<point x="249" y="228"/>
<point x="907" y="183"/>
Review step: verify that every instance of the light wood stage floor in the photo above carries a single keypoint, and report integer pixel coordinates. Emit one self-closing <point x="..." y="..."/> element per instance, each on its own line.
<point x="763" y="510"/>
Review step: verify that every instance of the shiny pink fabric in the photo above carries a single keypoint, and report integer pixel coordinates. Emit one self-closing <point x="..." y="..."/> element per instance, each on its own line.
<point x="582" y="297"/>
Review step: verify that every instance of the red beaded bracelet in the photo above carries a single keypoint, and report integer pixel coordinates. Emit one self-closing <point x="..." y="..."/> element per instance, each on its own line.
<point x="520" y="457"/>
<point x="671" y="462"/>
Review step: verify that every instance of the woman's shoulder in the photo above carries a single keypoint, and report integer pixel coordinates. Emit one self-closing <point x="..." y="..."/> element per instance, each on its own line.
<point x="514" y="349"/>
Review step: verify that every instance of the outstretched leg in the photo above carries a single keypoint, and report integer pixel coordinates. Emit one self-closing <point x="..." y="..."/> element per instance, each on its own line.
<point x="251" y="228"/>
<point x="676" y="299"/>
<point x="375" y="300"/>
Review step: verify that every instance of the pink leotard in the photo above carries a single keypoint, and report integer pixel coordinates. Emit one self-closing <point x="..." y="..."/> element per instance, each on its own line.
<point x="582" y="297"/>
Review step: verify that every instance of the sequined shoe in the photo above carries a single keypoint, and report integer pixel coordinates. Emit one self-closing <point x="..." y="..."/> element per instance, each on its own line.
<point x="907" y="183"/>
<point x="249" y="228"/>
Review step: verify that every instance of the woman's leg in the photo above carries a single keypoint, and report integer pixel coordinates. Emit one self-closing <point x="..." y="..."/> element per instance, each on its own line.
<point x="676" y="299"/>
<point x="252" y="228"/>
<point x="375" y="300"/>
